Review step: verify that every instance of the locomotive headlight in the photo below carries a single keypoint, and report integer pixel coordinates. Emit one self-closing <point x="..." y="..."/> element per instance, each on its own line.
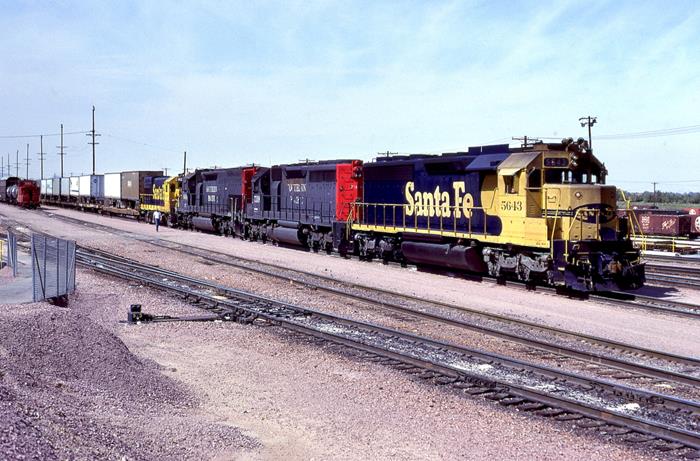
<point x="578" y="195"/>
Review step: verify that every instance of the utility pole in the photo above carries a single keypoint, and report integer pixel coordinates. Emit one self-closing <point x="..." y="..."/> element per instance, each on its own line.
<point x="27" y="177"/>
<point x="93" y="143"/>
<point x="2" y="167"/>
<point x="17" y="164"/>
<point x="184" y="166"/>
<point x="61" y="153"/>
<point x="588" y="121"/>
<point x="165" y="170"/>
<point x="526" y="141"/>
<point x="41" y="154"/>
<point x="654" y="183"/>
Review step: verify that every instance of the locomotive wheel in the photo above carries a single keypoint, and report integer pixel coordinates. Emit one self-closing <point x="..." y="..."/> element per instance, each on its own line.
<point x="343" y="250"/>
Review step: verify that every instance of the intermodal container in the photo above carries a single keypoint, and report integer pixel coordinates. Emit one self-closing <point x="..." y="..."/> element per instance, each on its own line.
<point x="92" y="186"/>
<point x="65" y="187"/>
<point x="135" y="183"/>
<point x="74" y="185"/>
<point x="46" y="187"/>
<point x="56" y="187"/>
<point x="113" y="185"/>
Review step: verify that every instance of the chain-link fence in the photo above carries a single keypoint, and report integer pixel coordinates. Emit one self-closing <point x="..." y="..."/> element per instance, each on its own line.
<point x="8" y="252"/>
<point x="53" y="267"/>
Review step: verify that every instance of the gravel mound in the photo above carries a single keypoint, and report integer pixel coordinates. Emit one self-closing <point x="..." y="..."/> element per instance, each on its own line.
<point x="71" y="389"/>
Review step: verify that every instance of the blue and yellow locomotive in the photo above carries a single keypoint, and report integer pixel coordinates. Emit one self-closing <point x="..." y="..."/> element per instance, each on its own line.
<point x="540" y="213"/>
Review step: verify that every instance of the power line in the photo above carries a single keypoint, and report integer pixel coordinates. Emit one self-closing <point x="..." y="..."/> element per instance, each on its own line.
<point x="690" y="129"/>
<point x="19" y="136"/>
<point x="654" y="133"/>
<point x="121" y="138"/>
<point x="631" y="181"/>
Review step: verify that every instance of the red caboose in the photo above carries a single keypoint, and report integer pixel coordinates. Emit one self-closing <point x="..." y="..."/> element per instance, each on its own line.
<point x="28" y="194"/>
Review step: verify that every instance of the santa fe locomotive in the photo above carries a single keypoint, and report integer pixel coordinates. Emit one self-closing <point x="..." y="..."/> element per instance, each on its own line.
<point x="540" y="213"/>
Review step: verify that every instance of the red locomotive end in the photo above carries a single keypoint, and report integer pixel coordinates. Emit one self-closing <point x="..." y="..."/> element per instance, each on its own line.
<point x="348" y="187"/>
<point x="247" y="185"/>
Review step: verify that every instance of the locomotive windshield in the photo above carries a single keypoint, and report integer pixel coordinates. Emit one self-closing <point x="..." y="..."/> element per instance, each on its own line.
<point x="580" y="175"/>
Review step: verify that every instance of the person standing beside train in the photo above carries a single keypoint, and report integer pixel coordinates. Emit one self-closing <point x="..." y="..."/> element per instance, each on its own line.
<point x="156" y="219"/>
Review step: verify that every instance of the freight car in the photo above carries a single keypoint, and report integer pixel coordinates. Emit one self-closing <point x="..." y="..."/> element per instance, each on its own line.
<point x="24" y="193"/>
<point x="664" y="223"/>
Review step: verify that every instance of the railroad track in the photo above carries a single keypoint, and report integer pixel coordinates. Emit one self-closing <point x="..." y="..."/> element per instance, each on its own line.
<point x="652" y="417"/>
<point x="557" y="342"/>
<point x="662" y="305"/>
<point x="674" y="280"/>
<point x="562" y="343"/>
<point x="687" y="275"/>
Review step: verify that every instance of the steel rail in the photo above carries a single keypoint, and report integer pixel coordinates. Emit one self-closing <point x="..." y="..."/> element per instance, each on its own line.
<point x="653" y="428"/>
<point x="667" y="279"/>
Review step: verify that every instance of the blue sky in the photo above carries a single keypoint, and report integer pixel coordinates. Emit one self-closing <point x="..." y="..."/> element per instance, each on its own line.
<point x="273" y="82"/>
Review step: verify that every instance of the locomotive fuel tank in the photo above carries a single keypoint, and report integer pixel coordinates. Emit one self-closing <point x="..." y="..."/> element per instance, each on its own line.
<point x="203" y="223"/>
<point x="286" y="235"/>
<point x="467" y="258"/>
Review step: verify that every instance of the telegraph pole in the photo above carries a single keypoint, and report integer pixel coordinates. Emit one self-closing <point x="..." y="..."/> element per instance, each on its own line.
<point x="184" y="166"/>
<point x="93" y="143"/>
<point x="588" y="121"/>
<point x="61" y="153"/>
<point x="17" y="164"/>
<point x="27" y="177"/>
<point x="41" y="154"/>
<point x="654" y="183"/>
<point x="526" y="141"/>
<point x="2" y="167"/>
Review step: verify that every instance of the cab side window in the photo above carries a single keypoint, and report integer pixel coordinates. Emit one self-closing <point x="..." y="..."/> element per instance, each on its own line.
<point x="511" y="184"/>
<point x="534" y="179"/>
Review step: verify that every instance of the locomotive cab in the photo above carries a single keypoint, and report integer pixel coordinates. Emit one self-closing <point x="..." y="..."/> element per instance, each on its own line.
<point x="554" y="196"/>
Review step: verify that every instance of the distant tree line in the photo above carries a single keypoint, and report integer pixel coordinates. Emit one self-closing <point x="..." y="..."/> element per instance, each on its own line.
<point x="661" y="197"/>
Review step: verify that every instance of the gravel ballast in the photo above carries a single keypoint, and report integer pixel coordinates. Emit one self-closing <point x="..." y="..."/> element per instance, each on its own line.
<point x="70" y="389"/>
